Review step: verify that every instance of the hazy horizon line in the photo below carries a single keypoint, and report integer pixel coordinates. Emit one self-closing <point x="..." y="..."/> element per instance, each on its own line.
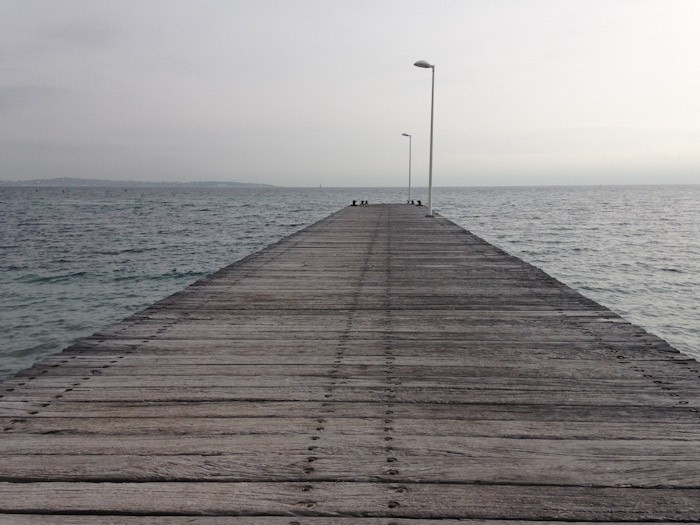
<point x="265" y="185"/>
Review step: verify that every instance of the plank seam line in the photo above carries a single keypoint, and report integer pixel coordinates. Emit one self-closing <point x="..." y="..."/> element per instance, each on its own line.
<point x="330" y="480"/>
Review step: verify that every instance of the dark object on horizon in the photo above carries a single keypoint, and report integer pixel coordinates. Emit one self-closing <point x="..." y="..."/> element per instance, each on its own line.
<point x="354" y="203"/>
<point x="419" y="204"/>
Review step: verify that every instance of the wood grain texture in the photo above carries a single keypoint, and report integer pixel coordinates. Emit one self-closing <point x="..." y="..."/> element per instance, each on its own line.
<point x="377" y="368"/>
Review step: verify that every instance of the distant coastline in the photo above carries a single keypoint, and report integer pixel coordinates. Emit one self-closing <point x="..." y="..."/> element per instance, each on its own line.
<point x="74" y="181"/>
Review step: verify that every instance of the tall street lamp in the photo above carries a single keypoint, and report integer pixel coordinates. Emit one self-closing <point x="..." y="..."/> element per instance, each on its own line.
<point x="409" y="165"/>
<point x="423" y="63"/>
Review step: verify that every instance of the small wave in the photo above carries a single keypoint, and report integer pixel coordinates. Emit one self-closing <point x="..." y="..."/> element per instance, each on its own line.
<point x="139" y="250"/>
<point x="52" y="279"/>
<point x="171" y="275"/>
<point x="672" y="270"/>
<point x="125" y="278"/>
<point x="127" y="250"/>
<point x="174" y="274"/>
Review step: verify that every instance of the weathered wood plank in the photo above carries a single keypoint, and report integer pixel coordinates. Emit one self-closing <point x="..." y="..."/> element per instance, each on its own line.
<point x="366" y="499"/>
<point x="632" y="383"/>
<point x="517" y="349"/>
<point x="329" y="443"/>
<point x="389" y="393"/>
<point x="344" y="426"/>
<point x="477" y="368"/>
<point x="648" y="415"/>
<point x="543" y="468"/>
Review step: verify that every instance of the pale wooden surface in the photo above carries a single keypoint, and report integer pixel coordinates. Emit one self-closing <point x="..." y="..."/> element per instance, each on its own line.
<point x="377" y="368"/>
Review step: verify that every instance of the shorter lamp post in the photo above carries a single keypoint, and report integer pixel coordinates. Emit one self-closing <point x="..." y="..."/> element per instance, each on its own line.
<point x="409" y="165"/>
<point x="424" y="64"/>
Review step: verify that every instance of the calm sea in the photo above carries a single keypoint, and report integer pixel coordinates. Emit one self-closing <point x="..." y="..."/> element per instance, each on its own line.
<point x="74" y="262"/>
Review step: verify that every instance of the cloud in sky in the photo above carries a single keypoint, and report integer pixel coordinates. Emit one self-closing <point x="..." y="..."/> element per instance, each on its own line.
<point x="318" y="92"/>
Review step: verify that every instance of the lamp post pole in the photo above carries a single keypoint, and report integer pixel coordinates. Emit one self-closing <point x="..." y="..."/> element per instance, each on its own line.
<point x="409" y="165"/>
<point x="424" y="64"/>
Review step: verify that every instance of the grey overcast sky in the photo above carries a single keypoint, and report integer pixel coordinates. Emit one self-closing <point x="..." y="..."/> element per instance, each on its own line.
<point x="308" y="92"/>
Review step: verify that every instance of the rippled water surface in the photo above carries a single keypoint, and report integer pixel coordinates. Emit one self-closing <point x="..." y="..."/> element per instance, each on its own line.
<point x="75" y="262"/>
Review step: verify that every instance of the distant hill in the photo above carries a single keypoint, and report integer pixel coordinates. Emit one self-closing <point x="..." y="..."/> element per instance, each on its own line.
<point x="72" y="182"/>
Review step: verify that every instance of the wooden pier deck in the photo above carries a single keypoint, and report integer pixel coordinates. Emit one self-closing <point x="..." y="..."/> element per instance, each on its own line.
<point x="379" y="368"/>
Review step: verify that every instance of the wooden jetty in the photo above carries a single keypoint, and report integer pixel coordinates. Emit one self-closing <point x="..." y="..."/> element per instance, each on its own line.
<point x="378" y="367"/>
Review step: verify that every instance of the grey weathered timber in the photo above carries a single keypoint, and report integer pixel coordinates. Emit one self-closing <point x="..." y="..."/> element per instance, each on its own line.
<point x="378" y="367"/>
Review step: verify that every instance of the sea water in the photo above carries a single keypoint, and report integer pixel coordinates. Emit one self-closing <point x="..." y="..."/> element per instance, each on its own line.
<point x="75" y="260"/>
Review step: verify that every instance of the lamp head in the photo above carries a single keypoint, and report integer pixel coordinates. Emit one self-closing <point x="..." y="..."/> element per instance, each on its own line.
<point x="423" y="63"/>
<point x="405" y="134"/>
